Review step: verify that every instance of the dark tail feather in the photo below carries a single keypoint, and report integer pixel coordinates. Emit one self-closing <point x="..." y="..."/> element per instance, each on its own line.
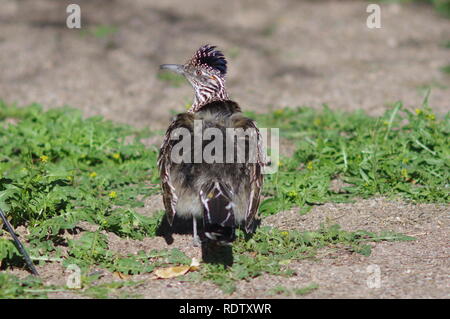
<point x="218" y="212"/>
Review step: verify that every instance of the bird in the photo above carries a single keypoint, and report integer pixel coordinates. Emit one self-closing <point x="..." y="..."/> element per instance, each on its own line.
<point x="225" y="193"/>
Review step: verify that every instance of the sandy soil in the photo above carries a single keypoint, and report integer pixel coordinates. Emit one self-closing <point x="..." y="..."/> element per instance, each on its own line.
<point x="281" y="53"/>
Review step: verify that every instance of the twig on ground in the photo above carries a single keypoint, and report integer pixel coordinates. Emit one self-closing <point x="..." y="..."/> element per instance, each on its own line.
<point x="18" y="244"/>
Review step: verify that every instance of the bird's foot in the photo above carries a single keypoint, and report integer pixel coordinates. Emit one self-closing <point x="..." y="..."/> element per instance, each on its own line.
<point x="197" y="242"/>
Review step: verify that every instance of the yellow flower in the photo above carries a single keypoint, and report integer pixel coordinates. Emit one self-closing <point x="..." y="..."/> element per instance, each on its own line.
<point x="278" y="112"/>
<point x="309" y="165"/>
<point x="284" y="233"/>
<point x="280" y="163"/>
<point x="317" y="121"/>
<point x="44" y="158"/>
<point x="93" y="174"/>
<point x="116" y="155"/>
<point x="431" y="117"/>
<point x="404" y="173"/>
<point x="292" y="194"/>
<point x="418" y="111"/>
<point x="188" y="106"/>
<point x="112" y="194"/>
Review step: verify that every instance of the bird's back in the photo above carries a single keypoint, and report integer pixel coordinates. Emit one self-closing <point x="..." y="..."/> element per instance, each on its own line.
<point x="201" y="188"/>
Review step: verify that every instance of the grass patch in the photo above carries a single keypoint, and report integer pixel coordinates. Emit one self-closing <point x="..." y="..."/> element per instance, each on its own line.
<point x="441" y="6"/>
<point x="271" y="250"/>
<point x="100" y="31"/>
<point x="111" y="290"/>
<point x="401" y="154"/>
<point x="32" y="287"/>
<point x="28" y="288"/>
<point x="58" y="169"/>
<point x="289" y="292"/>
<point x="446" y="69"/>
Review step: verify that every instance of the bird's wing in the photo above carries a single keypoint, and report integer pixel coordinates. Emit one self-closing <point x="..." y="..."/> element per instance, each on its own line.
<point x="254" y="170"/>
<point x="256" y="181"/>
<point x="165" y="164"/>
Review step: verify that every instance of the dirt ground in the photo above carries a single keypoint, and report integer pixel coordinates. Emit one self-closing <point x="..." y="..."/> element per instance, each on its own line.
<point x="281" y="53"/>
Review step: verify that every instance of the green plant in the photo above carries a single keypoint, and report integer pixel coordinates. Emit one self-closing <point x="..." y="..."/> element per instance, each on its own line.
<point x="100" y="31"/>
<point x="400" y="154"/>
<point x="446" y="69"/>
<point x="281" y="290"/>
<point x="441" y="6"/>
<point x="58" y="169"/>
<point x="270" y="251"/>
<point x="13" y="287"/>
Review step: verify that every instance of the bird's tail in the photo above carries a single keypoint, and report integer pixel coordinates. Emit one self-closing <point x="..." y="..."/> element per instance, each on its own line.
<point x="218" y="212"/>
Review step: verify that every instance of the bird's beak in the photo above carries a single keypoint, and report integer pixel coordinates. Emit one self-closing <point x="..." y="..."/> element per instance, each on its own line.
<point x="177" y="68"/>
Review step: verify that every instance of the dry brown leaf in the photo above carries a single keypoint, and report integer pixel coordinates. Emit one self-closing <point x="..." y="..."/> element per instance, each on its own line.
<point x="171" y="272"/>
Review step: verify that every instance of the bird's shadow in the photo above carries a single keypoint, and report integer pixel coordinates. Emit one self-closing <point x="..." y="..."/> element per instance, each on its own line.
<point x="179" y="226"/>
<point x="211" y="252"/>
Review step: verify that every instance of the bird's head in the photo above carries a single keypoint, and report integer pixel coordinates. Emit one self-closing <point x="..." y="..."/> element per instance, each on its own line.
<point x="206" y="72"/>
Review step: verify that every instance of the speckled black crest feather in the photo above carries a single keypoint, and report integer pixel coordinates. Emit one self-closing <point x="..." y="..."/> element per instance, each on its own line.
<point x="208" y="56"/>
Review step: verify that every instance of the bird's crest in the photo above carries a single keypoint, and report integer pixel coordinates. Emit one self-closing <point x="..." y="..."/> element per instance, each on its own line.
<point x="207" y="56"/>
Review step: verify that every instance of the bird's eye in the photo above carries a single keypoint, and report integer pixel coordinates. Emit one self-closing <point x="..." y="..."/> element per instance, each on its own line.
<point x="199" y="72"/>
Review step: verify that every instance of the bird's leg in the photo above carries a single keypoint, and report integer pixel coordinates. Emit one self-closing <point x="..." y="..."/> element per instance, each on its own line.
<point x="197" y="242"/>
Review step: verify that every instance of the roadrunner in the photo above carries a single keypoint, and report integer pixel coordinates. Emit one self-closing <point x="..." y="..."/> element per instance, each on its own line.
<point x="224" y="193"/>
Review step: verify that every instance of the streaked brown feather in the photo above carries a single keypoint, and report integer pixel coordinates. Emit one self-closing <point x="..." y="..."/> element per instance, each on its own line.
<point x="165" y="163"/>
<point x="255" y="173"/>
